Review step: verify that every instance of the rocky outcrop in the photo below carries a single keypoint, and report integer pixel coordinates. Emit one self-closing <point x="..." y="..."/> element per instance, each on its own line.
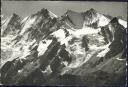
<point x="116" y="35"/>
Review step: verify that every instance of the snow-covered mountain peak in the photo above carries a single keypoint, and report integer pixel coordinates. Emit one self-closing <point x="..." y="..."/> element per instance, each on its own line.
<point x="37" y="20"/>
<point x="44" y="12"/>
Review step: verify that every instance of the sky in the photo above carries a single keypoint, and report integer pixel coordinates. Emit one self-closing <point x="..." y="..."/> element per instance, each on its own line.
<point x="25" y="8"/>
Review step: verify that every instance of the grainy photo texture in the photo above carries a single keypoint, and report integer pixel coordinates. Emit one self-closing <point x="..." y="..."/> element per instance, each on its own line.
<point x="63" y="43"/>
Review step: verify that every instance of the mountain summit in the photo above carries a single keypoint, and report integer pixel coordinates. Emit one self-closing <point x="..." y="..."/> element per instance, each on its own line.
<point x="90" y="16"/>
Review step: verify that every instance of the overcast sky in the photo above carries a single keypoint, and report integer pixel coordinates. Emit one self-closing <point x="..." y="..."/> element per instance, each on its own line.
<point x="25" y="8"/>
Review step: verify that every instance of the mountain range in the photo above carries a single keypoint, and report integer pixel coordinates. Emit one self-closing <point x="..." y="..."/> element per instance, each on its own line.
<point x="86" y="48"/>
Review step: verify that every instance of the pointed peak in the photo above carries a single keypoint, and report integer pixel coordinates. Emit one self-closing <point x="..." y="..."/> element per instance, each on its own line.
<point x="43" y="11"/>
<point x="91" y="11"/>
<point x="114" y="20"/>
<point x="15" y="15"/>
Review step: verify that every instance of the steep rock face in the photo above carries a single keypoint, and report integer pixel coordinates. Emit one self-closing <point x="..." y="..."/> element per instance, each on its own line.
<point x="118" y="33"/>
<point x="74" y="19"/>
<point x="47" y="52"/>
<point x="11" y="25"/>
<point x="90" y="16"/>
<point x="39" y="25"/>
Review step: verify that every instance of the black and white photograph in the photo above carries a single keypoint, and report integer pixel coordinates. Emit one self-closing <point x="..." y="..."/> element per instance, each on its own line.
<point x="63" y="43"/>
